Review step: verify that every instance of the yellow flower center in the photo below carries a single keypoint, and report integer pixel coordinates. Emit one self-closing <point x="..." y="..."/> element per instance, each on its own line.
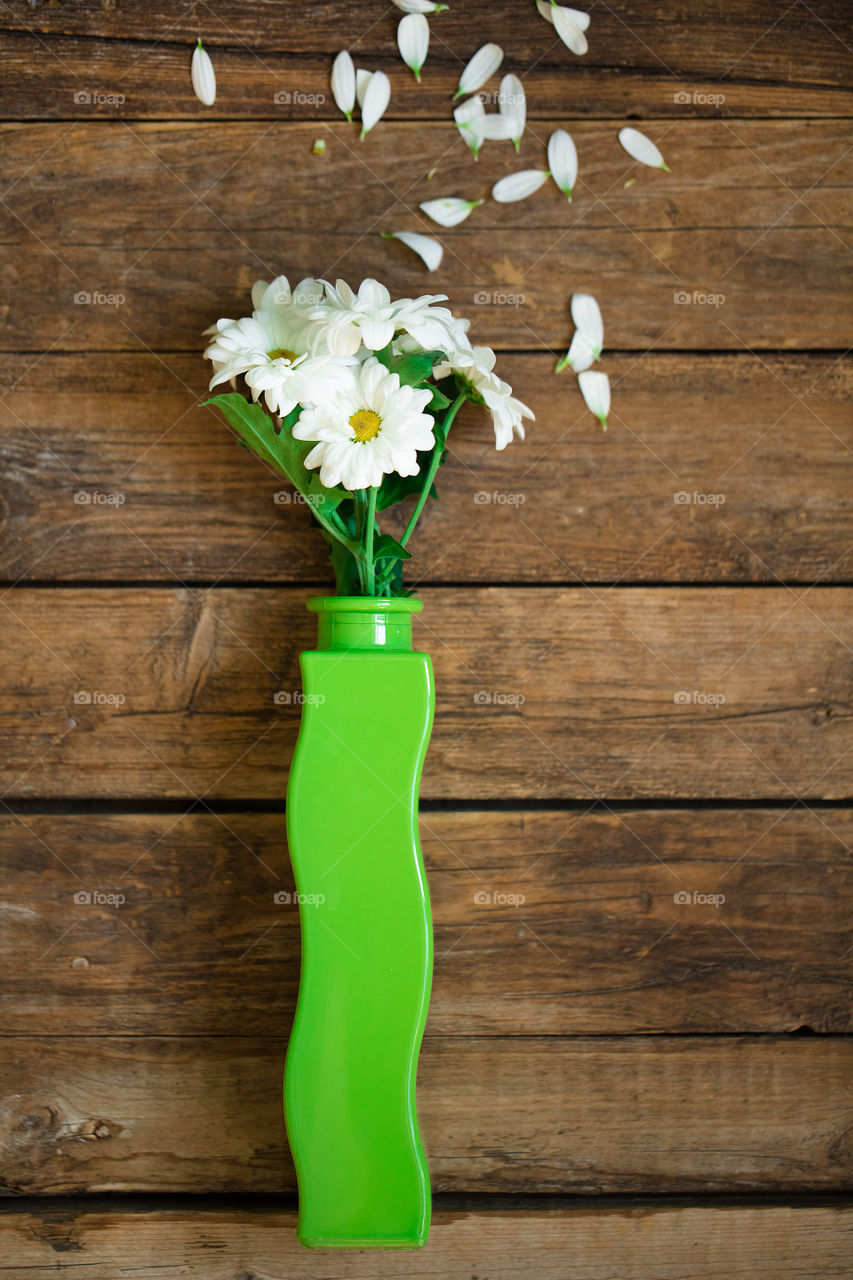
<point x="365" y="425"/>
<point x="282" y="353"/>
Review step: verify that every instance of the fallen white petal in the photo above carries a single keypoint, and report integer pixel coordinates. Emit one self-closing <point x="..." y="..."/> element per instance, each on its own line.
<point x="362" y="80"/>
<point x="518" y="186"/>
<point x="465" y="115"/>
<point x="449" y="211"/>
<point x="568" y="30"/>
<point x="481" y="68"/>
<point x="343" y="83"/>
<point x="579" y="356"/>
<point x="563" y="161"/>
<point x="424" y="246"/>
<point x="586" y="314"/>
<point x="641" y="148"/>
<point x="413" y="41"/>
<point x="580" y="19"/>
<point x="419" y="6"/>
<point x="377" y="95"/>
<point x="494" y="127"/>
<point x="203" y="76"/>
<point x="595" y="389"/>
<point x="513" y="104"/>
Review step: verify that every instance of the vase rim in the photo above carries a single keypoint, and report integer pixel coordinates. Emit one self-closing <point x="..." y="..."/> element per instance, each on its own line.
<point x="364" y="604"/>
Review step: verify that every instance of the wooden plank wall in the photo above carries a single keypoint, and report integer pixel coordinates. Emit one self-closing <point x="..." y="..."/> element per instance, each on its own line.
<point x="638" y="1058"/>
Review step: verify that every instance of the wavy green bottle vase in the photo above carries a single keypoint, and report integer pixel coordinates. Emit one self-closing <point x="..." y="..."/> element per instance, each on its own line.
<point x="352" y="813"/>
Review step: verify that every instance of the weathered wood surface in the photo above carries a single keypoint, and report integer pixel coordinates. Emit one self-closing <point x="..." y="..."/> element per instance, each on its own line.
<point x="173" y="222"/>
<point x="637" y="1242"/>
<point x="772" y="436"/>
<point x="542" y="693"/>
<point x="644" y="1114"/>
<point x="734" y="44"/>
<point x="544" y="922"/>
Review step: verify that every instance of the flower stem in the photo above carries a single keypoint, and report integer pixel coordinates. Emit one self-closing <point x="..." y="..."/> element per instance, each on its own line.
<point x="438" y="453"/>
<point x="370" y="565"/>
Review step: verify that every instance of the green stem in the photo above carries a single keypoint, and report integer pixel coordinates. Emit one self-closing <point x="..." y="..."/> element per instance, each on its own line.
<point x="437" y="455"/>
<point x="368" y="540"/>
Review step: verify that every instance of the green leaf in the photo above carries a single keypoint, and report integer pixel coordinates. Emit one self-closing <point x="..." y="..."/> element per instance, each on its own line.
<point x="396" y="488"/>
<point x="388" y="548"/>
<point x="256" y="429"/>
<point x="439" y="400"/>
<point x="345" y="565"/>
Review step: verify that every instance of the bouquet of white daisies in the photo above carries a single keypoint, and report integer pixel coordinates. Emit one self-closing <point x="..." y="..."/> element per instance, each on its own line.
<point x="360" y="393"/>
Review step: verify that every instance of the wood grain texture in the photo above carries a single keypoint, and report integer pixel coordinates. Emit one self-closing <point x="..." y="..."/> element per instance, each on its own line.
<point x="729" y="43"/>
<point x="772" y="436"/>
<point x="544" y="1114"/>
<point x="175" y="221"/>
<point x="635" y="1242"/>
<point x="544" y="922"/>
<point x="542" y="693"/>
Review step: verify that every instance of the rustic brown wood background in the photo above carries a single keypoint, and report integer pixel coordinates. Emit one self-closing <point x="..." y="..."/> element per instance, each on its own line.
<point x="620" y="1075"/>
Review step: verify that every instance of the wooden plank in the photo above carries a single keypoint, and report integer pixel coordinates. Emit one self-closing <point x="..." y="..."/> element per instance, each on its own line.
<point x="640" y="1114"/>
<point x="636" y="1242"/>
<point x="773" y="436"/>
<point x="174" y="227"/>
<point x="545" y="922"/>
<point x="722" y="42"/>
<point x="107" y="78"/>
<point x="544" y="692"/>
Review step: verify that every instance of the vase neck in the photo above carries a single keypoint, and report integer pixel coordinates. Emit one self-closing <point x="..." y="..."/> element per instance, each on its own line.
<point x="362" y="622"/>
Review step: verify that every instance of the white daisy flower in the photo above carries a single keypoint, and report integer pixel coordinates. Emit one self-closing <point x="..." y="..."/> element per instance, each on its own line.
<point x="481" y="68"/>
<point x="563" y="161"/>
<point x="278" y="296"/>
<point x="641" y="148"/>
<point x="595" y="389"/>
<point x="449" y="211"/>
<point x="513" y="104"/>
<point x="428" y="249"/>
<point x="377" y="95"/>
<point x="413" y="41"/>
<point x="343" y="83"/>
<point x="566" y="27"/>
<point x="203" y="76"/>
<point x="518" y="186"/>
<point x="474" y="366"/>
<point x="545" y="8"/>
<point x="419" y="6"/>
<point x="371" y="427"/>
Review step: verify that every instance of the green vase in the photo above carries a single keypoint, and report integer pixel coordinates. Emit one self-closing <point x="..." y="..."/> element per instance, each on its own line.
<point x="352" y="826"/>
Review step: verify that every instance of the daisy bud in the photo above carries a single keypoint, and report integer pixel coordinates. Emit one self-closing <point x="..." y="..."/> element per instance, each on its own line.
<point x="429" y="250"/>
<point x="377" y="95"/>
<point x="512" y="104"/>
<point x="413" y="41"/>
<point x="419" y="6"/>
<point x="563" y="161"/>
<point x="568" y="30"/>
<point x="595" y="389"/>
<point x="362" y="79"/>
<point x="450" y="211"/>
<point x="343" y="83"/>
<point x="481" y="68"/>
<point x="203" y="76"/>
<point x="518" y="186"/>
<point x="546" y="8"/>
<point x="641" y="148"/>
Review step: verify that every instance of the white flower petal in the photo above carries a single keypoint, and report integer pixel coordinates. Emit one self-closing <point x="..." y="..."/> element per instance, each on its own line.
<point x="568" y="30"/>
<point x="362" y="79"/>
<point x="513" y="104"/>
<point x="203" y="76"/>
<point x="449" y="211"/>
<point x="586" y="314"/>
<point x="419" y="6"/>
<point x="579" y="356"/>
<point x="518" y="186"/>
<point x="377" y="95"/>
<point x="424" y="246"/>
<point x="546" y="8"/>
<point x="595" y="389"/>
<point x="494" y="127"/>
<point x="413" y="41"/>
<point x="343" y="83"/>
<point x="641" y="148"/>
<point x="481" y="68"/>
<point x="563" y="161"/>
<point x="465" y="115"/>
